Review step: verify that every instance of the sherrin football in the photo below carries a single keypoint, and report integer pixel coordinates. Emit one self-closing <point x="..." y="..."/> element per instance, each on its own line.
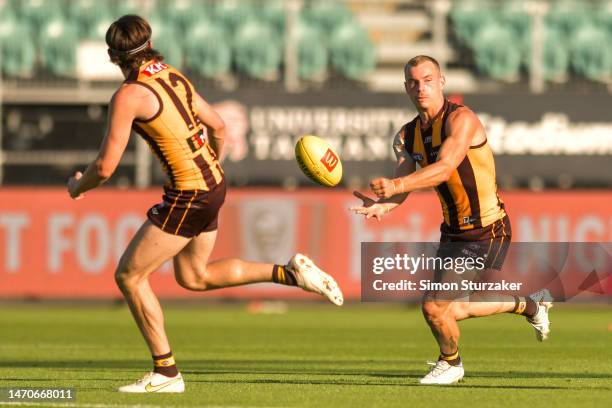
<point x="318" y="160"/>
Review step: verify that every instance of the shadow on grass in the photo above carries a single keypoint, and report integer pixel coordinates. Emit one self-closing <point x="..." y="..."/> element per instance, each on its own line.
<point x="373" y="376"/>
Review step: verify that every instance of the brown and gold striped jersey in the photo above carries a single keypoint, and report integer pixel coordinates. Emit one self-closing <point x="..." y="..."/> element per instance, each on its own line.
<point x="175" y="133"/>
<point x="469" y="198"/>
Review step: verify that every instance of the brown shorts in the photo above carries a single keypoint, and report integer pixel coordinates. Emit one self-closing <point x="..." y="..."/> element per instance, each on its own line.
<point x="188" y="213"/>
<point x="474" y="254"/>
<point x="491" y="242"/>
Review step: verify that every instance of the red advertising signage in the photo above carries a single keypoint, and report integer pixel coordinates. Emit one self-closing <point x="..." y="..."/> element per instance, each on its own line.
<point x="54" y="247"/>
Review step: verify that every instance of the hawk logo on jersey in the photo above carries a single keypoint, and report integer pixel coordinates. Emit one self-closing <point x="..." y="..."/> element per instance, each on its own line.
<point x="417" y="156"/>
<point x="153" y="68"/>
<point x="196" y="141"/>
<point x="329" y="160"/>
<point x="469" y="220"/>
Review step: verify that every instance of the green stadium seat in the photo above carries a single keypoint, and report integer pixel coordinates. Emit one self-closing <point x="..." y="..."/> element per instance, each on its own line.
<point x="167" y="40"/>
<point x="18" y="50"/>
<point x="8" y="9"/>
<point x="98" y="29"/>
<point x="591" y="53"/>
<point x="182" y="14"/>
<point x="513" y="14"/>
<point x="272" y="12"/>
<point x="569" y="16"/>
<point x="58" y="45"/>
<point x="37" y="12"/>
<point x="313" y="52"/>
<point x="327" y="14"/>
<point x="234" y="13"/>
<point x="257" y="50"/>
<point x="89" y="14"/>
<point x="352" y="53"/>
<point x="208" y="50"/>
<point x="496" y="52"/>
<point x="469" y="16"/>
<point x="120" y="8"/>
<point x="604" y="15"/>
<point x="556" y="54"/>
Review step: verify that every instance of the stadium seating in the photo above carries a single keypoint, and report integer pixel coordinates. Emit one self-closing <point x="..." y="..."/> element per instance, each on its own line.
<point x="496" y="52"/>
<point x="233" y="13"/>
<point x="556" y="54"/>
<point x="326" y="14"/>
<point x="468" y="16"/>
<point x="573" y="31"/>
<point x="219" y="37"/>
<point x="166" y="40"/>
<point x="212" y="37"/>
<point x="352" y="52"/>
<point x="257" y="51"/>
<point x="36" y="12"/>
<point x="58" y="45"/>
<point x="589" y="54"/>
<point x="569" y="15"/>
<point x="88" y="14"/>
<point x="207" y="50"/>
<point x="272" y="12"/>
<point x="18" y="51"/>
<point x="181" y="14"/>
<point x="312" y="52"/>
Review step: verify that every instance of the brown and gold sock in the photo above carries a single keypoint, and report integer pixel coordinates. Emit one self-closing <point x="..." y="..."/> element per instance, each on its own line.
<point x="452" y="359"/>
<point x="165" y="365"/>
<point x="525" y="306"/>
<point x="283" y="275"/>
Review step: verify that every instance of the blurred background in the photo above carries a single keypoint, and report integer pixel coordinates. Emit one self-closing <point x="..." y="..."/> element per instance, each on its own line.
<point x="538" y="73"/>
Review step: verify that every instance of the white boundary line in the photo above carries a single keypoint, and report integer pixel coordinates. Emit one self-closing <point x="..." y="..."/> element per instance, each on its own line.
<point x="77" y="405"/>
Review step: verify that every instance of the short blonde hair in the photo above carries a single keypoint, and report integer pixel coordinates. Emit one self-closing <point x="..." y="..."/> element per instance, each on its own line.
<point x="418" y="60"/>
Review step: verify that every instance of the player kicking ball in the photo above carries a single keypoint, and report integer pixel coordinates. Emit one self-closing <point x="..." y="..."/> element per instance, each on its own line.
<point x="450" y="145"/>
<point x="159" y="103"/>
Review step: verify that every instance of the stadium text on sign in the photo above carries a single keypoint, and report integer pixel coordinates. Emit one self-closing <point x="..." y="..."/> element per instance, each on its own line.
<point x="63" y="248"/>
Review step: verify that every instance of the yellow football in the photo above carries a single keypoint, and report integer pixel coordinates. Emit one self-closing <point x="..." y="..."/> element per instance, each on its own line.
<point x="318" y="160"/>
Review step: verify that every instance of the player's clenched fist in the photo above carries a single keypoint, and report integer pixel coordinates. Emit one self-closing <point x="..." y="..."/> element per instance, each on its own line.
<point x="73" y="182"/>
<point x="385" y="188"/>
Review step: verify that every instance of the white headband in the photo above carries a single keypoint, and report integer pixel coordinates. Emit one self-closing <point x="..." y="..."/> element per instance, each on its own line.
<point x="132" y="51"/>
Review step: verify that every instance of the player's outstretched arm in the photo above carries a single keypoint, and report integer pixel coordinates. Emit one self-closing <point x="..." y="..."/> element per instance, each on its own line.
<point x="377" y="209"/>
<point x="215" y="125"/>
<point x="122" y="112"/>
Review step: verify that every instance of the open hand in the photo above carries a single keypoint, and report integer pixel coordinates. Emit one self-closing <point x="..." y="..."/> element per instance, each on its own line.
<point x="369" y="208"/>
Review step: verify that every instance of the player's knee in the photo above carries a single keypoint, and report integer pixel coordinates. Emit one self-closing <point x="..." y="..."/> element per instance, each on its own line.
<point x="193" y="279"/>
<point x="125" y="276"/>
<point x="432" y="312"/>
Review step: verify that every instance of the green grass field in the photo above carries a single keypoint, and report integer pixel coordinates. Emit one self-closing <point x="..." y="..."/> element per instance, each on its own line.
<point x="312" y="356"/>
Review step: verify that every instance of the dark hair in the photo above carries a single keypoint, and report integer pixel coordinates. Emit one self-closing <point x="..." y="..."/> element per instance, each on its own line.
<point x="124" y="38"/>
<point x="419" y="59"/>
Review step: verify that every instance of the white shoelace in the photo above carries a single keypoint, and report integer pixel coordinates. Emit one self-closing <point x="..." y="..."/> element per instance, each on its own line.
<point x="437" y="368"/>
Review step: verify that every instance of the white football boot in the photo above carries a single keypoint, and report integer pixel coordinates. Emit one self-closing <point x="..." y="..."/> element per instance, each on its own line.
<point x="155" y="382"/>
<point x="312" y="279"/>
<point x="540" y="321"/>
<point x="443" y="373"/>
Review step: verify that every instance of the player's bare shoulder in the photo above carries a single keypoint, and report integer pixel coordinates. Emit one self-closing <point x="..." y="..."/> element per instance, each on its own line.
<point x="463" y="119"/>
<point x="136" y="98"/>
<point x="462" y="113"/>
